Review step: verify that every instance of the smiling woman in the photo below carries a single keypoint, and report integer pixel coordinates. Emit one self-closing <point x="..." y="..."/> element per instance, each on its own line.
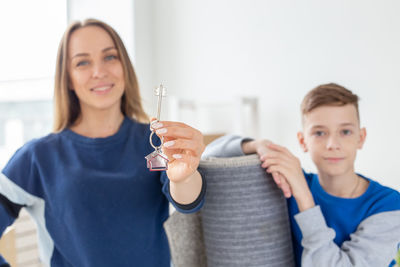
<point x="86" y="184"/>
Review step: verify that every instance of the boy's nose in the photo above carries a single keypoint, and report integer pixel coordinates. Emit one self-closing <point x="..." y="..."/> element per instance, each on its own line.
<point x="333" y="143"/>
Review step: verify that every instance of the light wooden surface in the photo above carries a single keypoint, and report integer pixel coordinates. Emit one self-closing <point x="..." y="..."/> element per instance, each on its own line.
<point x="19" y="246"/>
<point x="208" y="138"/>
<point x="7" y="247"/>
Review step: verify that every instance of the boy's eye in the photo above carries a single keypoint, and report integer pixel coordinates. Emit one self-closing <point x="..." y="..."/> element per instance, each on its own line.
<point x="319" y="133"/>
<point x="346" y="132"/>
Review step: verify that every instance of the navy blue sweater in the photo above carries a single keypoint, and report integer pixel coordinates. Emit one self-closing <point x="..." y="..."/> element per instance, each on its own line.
<point x="95" y="202"/>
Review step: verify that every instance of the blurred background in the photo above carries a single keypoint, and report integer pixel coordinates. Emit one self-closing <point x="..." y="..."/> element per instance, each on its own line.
<point x="230" y="66"/>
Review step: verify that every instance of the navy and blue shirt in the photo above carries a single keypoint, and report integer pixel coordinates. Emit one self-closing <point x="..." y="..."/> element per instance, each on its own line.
<point x="344" y="215"/>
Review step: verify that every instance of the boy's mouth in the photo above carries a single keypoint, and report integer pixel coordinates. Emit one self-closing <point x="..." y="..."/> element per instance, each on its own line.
<point x="333" y="159"/>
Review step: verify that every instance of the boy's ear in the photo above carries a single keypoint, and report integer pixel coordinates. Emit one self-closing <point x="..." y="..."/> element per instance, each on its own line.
<point x="300" y="137"/>
<point x="363" y="135"/>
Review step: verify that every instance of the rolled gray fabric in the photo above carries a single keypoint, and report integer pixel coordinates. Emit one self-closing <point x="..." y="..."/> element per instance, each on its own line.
<point x="185" y="238"/>
<point x="244" y="218"/>
<point x="244" y="221"/>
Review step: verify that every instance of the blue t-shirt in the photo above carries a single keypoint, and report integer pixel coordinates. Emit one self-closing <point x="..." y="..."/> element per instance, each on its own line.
<point x="343" y="215"/>
<point x="95" y="201"/>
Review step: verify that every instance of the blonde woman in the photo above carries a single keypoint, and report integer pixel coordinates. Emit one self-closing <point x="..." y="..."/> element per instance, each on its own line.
<point x="86" y="184"/>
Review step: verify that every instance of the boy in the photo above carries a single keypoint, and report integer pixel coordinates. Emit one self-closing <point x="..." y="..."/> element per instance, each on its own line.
<point x="338" y="217"/>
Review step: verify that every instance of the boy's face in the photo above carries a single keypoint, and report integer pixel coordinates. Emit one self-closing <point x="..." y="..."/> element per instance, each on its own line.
<point x="332" y="135"/>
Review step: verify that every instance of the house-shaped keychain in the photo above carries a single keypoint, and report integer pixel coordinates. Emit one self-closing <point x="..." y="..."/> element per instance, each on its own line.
<point x="157" y="161"/>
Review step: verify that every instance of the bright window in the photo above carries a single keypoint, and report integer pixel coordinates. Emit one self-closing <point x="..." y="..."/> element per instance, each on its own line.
<point x="30" y="32"/>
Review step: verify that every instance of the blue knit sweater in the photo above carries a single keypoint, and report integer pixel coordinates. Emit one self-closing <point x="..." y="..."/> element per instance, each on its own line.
<point x="94" y="200"/>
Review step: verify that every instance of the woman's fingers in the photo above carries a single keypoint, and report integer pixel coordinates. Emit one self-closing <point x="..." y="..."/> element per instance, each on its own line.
<point x="179" y="136"/>
<point x="176" y="130"/>
<point x="185" y="162"/>
<point x="183" y="144"/>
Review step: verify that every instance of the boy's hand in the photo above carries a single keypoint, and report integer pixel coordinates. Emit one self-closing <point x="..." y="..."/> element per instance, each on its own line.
<point x="280" y="160"/>
<point x="261" y="148"/>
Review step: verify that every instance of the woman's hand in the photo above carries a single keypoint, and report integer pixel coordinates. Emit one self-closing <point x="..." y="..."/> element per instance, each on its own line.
<point x="183" y="145"/>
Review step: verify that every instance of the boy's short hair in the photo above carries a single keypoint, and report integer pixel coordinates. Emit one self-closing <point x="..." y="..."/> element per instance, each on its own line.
<point x="330" y="94"/>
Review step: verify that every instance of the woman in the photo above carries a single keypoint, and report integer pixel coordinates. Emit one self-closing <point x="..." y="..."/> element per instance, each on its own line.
<point x="86" y="185"/>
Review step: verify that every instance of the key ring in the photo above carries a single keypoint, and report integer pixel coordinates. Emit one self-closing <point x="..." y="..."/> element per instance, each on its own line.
<point x="158" y="148"/>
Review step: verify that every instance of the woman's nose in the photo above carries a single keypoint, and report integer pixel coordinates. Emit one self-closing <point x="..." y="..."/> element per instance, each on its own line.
<point x="99" y="70"/>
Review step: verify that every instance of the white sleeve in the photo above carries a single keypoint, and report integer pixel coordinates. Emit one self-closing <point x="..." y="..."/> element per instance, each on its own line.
<point x="374" y="243"/>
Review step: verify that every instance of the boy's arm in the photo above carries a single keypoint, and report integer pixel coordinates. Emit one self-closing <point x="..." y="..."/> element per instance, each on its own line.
<point x="226" y="146"/>
<point x="373" y="244"/>
<point x="234" y="146"/>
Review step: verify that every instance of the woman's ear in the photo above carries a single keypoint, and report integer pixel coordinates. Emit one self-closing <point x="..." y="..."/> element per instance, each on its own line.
<point x="300" y="137"/>
<point x="363" y="135"/>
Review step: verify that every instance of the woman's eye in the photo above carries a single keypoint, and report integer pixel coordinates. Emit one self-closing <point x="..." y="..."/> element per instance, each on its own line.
<point x="110" y="57"/>
<point x="82" y="63"/>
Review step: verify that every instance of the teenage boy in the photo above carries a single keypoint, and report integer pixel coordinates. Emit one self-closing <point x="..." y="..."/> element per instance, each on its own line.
<point x="338" y="217"/>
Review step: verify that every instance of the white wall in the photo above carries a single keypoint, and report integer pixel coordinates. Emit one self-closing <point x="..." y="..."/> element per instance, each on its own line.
<point x="29" y="44"/>
<point x="278" y="50"/>
<point x="118" y="14"/>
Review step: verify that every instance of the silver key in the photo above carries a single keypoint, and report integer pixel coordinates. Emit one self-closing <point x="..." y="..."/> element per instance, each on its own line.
<point x="157" y="160"/>
<point x="161" y="92"/>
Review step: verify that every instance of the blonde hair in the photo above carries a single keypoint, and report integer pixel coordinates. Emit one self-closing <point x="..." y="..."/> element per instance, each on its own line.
<point x="66" y="103"/>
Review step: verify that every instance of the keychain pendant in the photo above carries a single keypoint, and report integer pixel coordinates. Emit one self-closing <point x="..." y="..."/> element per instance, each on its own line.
<point x="157" y="160"/>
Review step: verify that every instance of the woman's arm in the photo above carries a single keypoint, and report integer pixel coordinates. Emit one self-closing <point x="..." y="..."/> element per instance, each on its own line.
<point x="184" y="146"/>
